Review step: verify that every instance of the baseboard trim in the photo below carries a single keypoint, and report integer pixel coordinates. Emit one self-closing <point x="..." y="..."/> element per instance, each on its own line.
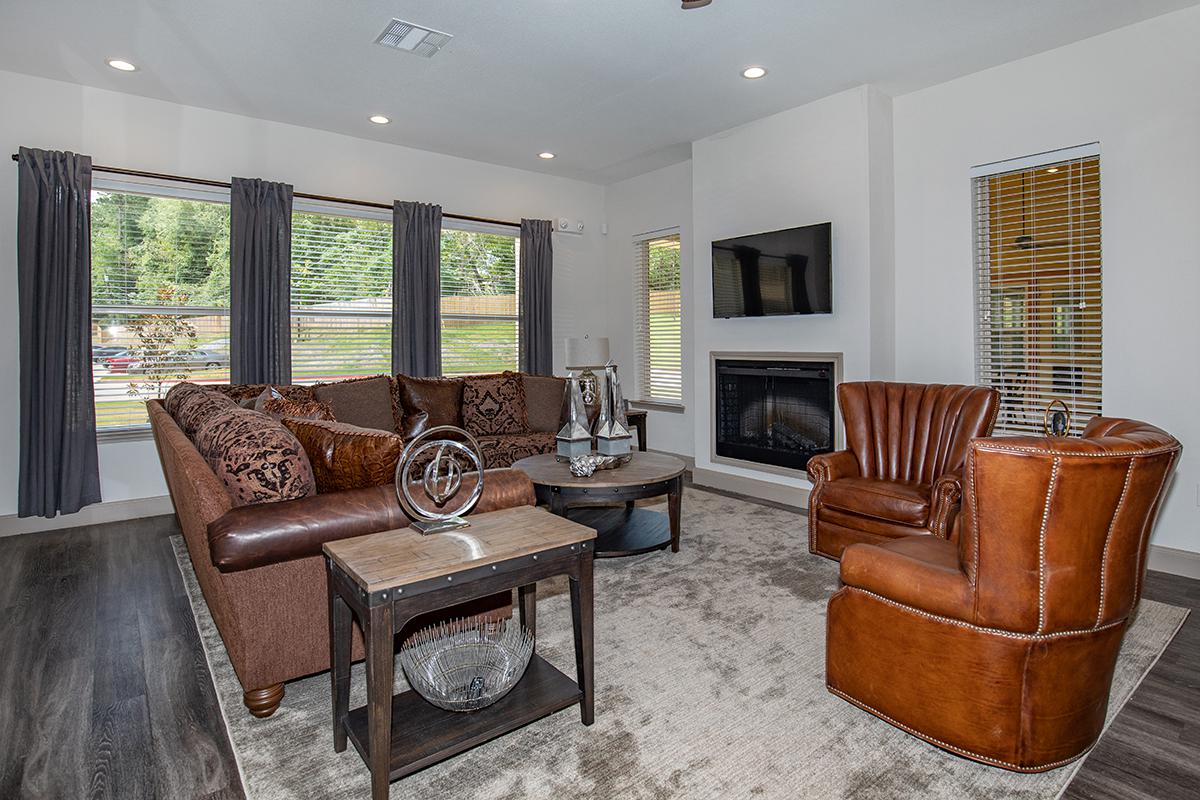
<point x="754" y="487"/>
<point x="1174" y="561"/>
<point x="116" y="511"/>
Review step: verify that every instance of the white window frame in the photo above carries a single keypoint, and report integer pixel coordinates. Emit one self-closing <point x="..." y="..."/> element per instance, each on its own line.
<point x="981" y="251"/>
<point x="151" y="187"/>
<point x="644" y="399"/>
<point x="513" y="232"/>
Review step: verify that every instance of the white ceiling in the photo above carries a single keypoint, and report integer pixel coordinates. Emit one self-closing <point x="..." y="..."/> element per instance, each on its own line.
<point x="614" y="87"/>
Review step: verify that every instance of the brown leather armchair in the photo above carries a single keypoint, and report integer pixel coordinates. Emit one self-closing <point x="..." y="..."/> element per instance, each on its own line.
<point x="901" y="471"/>
<point x="1001" y="646"/>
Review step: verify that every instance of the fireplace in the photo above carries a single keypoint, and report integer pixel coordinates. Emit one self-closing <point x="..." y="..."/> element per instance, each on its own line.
<point x="776" y="412"/>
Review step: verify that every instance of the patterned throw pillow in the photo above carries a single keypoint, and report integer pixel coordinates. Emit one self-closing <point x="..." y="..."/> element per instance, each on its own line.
<point x="345" y="456"/>
<point x="257" y="458"/>
<point x="177" y="394"/>
<point x="494" y="405"/>
<point x="274" y="404"/>
<point x="196" y="407"/>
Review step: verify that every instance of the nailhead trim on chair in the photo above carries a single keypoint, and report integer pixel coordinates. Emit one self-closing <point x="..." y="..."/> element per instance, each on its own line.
<point x="1108" y="538"/>
<point x="1042" y="545"/>
<point x="950" y="747"/>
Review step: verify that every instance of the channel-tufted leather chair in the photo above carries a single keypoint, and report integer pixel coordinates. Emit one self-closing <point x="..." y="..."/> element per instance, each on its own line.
<point x="901" y="471"/>
<point x="1000" y="646"/>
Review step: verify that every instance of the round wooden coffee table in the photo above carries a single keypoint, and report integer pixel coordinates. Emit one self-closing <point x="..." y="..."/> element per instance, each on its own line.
<point x="622" y="530"/>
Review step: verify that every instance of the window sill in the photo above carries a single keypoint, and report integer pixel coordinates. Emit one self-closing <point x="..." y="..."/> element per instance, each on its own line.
<point x="658" y="405"/>
<point x="133" y="433"/>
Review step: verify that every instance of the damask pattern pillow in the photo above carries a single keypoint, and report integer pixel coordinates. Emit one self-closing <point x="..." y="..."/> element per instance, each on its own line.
<point x="494" y="405"/>
<point x="196" y="407"/>
<point x="257" y="458"/>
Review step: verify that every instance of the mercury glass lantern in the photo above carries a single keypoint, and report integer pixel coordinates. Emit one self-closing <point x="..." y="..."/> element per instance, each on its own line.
<point x="574" y="439"/>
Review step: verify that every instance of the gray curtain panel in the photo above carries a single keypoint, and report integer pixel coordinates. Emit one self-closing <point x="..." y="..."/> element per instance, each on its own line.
<point x="59" y="468"/>
<point x="537" y="272"/>
<point x="260" y="275"/>
<point x="416" y="289"/>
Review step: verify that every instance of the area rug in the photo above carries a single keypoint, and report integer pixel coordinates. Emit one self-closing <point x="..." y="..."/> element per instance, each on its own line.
<point x="709" y="684"/>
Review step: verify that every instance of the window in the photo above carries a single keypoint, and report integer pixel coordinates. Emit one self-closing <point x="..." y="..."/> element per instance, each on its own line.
<point x="341" y="295"/>
<point x="659" y="305"/>
<point x="160" y="294"/>
<point x="479" y="301"/>
<point x="1037" y="259"/>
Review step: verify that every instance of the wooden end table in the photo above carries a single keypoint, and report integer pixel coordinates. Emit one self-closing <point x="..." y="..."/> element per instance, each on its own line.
<point x="619" y="531"/>
<point x="386" y="579"/>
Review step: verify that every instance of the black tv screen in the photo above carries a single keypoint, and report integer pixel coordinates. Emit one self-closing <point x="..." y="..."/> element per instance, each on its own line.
<point x="772" y="274"/>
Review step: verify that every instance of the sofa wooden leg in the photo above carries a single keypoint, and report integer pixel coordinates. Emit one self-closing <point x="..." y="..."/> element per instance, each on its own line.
<point x="263" y="702"/>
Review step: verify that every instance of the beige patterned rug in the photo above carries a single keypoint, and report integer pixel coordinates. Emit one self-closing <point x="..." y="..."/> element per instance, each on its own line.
<point x="709" y="684"/>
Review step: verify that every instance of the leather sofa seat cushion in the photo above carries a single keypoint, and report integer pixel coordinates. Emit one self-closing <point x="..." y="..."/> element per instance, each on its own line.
<point x="494" y="405"/>
<point x="428" y="402"/>
<point x="257" y="458"/>
<point x="345" y="456"/>
<point x="897" y="501"/>
<point x="544" y="402"/>
<point x="501" y="451"/>
<point x="365" y="402"/>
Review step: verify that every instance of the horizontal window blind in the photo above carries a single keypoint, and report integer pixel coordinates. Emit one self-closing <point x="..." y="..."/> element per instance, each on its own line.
<point x="1038" y="290"/>
<point x="658" y="300"/>
<point x="160" y="297"/>
<point x="341" y="296"/>
<point x="479" y="302"/>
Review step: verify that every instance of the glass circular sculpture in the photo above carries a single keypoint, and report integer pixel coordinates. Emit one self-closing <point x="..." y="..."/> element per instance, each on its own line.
<point x="466" y="665"/>
<point x="441" y="477"/>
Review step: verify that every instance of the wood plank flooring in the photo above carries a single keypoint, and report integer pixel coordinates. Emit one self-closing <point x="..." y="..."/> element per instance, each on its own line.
<point x="105" y="692"/>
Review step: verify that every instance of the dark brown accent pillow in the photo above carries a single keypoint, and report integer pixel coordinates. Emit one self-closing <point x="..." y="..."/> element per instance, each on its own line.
<point x="365" y="402"/>
<point x="346" y="456"/>
<point x="544" y="402"/>
<point x="429" y="402"/>
<point x="256" y="457"/>
<point x="494" y="405"/>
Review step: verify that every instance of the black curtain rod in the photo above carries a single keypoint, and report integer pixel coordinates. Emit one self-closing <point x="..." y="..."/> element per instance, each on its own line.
<point x="162" y="176"/>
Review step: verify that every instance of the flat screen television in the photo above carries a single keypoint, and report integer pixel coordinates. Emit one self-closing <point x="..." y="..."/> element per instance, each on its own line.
<point x="773" y="274"/>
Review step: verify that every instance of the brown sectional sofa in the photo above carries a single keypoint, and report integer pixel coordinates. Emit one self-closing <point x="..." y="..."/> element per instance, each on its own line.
<point x="259" y="564"/>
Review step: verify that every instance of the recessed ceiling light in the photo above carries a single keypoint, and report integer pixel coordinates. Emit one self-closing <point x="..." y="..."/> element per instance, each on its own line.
<point x="379" y="119"/>
<point x="546" y="156"/>
<point x="1052" y="169"/>
<point x="124" y="66"/>
<point x="753" y="73"/>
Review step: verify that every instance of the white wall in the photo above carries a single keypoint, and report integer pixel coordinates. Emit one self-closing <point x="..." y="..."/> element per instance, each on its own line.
<point x="804" y="166"/>
<point x="650" y="202"/>
<point x="1135" y="91"/>
<point x="127" y="131"/>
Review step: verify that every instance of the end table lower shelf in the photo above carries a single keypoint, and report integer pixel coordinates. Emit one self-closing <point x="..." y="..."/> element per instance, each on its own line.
<point x="423" y="734"/>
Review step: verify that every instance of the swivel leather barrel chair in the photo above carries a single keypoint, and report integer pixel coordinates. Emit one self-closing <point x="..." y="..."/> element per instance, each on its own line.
<point x="901" y="472"/>
<point x="1001" y="646"/>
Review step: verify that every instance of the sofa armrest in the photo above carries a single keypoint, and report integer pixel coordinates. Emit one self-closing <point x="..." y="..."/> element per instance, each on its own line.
<point x="918" y="571"/>
<point x="268" y="533"/>
<point x="832" y="466"/>
<point x="947" y="500"/>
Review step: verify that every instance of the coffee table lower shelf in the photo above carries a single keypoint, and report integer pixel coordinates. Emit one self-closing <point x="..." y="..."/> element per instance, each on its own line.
<point x="423" y="734"/>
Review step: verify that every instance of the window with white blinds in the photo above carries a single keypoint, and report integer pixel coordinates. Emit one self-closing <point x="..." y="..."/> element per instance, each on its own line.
<point x="659" y="323"/>
<point x="1038" y="287"/>
<point x="160" y="294"/>
<point x="341" y="295"/>
<point x="479" y="300"/>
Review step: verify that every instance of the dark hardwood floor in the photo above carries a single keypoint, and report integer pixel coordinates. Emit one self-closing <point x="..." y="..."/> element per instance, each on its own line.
<point x="105" y="692"/>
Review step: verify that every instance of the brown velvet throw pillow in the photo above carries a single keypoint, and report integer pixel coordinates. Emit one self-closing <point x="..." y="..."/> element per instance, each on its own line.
<point x="366" y="402"/>
<point x="544" y="396"/>
<point x="494" y="405"/>
<point x="345" y="456"/>
<point x="428" y="402"/>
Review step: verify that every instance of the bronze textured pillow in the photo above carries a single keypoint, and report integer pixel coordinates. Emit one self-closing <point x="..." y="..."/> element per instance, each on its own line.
<point x="494" y="405"/>
<point x="366" y="402"/>
<point x="345" y="456"/>
<point x="429" y="402"/>
<point x="273" y="404"/>
<point x="241" y="392"/>
<point x="196" y="407"/>
<point x="544" y="402"/>
<point x="257" y="458"/>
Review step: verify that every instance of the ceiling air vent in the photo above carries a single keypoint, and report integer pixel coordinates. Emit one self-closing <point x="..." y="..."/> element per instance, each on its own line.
<point x="411" y="38"/>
